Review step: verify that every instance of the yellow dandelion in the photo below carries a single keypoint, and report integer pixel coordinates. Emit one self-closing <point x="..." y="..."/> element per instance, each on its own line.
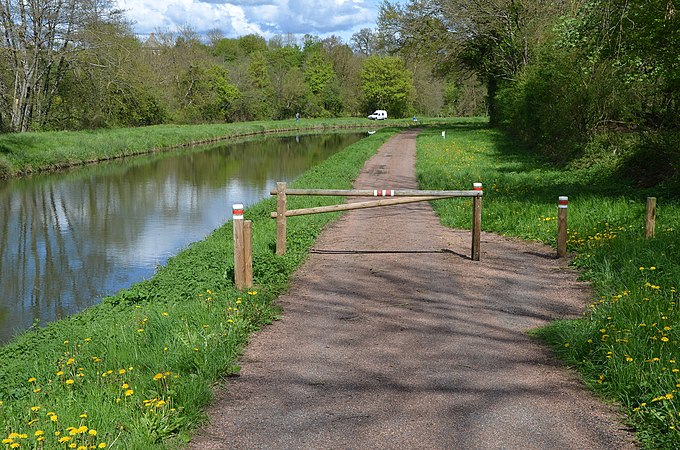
<point x="69" y="381"/>
<point x="64" y="439"/>
<point x="102" y="445"/>
<point x="121" y="371"/>
<point x="39" y="433"/>
<point x="158" y="376"/>
<point x="92" y="432"/>
<point x="129" y="392"/>
<point x="31" y="380"/>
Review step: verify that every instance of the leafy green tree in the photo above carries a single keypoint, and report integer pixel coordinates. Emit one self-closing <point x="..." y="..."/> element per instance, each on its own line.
<point x="41" y="40"/>
<point x="387" y="84"/>
<point x="323" y="85"/>
<point x="495" y="39"/>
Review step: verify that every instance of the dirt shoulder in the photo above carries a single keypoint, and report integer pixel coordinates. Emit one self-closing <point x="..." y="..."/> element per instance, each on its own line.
<point x="391" y="337"/>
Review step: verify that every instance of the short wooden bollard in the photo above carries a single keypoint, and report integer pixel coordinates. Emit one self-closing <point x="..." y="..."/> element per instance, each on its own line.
<point x="562" y="204"/>
<point x="248" y="253"/>
<point x="650" y="225"/>
<point x="281" y="218"/>
<point x="476" y="222"/>
<point x="239" y="254"/>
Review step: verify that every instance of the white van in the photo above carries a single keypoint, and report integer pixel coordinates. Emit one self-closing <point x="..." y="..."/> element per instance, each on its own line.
<point x="380" y="114"/>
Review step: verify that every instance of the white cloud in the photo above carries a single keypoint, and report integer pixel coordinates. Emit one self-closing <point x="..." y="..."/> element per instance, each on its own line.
<point x="264" y="17"/>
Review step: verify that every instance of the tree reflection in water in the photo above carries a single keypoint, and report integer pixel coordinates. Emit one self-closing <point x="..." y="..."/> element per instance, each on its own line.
<point x="69" y="239"/>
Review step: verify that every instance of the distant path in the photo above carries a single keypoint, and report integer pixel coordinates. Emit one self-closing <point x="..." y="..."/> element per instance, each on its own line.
<point x="404" y="346"/>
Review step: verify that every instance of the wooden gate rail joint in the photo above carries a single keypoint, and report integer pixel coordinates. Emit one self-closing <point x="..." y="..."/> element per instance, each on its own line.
<point x="389" y="197"/>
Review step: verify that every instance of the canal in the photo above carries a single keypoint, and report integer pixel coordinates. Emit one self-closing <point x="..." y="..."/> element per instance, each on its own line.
<point x="67" y="240"/>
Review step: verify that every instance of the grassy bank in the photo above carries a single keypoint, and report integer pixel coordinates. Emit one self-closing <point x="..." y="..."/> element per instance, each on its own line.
<point x="135" y="371"/>
<point x="627" y="345"/>
<point x="25" y="153"/>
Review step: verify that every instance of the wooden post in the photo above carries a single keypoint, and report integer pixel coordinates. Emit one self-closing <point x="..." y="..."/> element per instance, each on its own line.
<point x="239" y="260"/>
<point x="651" y="217"/>
<point x="476" y="223"/>
<point x="562" y="204"/>
<point x="248" y="253"/>
<point x="281" y="218"/>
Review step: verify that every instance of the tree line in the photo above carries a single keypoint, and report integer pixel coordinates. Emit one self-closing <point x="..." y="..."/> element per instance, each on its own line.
<point x="76" y="64"/>
<point x="571" y="78"/>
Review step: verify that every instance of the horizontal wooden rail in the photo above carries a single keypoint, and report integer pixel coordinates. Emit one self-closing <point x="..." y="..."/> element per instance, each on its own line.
<point x="356" y="205"/>
<point x="380" y="193"/>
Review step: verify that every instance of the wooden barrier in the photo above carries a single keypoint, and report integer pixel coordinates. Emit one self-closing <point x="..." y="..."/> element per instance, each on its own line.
<point x="387" y="197"/>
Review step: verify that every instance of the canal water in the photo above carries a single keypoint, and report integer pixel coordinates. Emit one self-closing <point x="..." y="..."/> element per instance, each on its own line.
<point x="69" y="239"/>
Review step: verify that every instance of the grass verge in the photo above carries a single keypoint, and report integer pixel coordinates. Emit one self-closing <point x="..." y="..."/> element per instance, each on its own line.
<point x="627" y="345"/>
<point x="25" y="153"/>
<point x="136" y="371"/>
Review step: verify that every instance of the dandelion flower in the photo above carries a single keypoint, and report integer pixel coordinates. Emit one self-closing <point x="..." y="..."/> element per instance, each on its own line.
<point x="69" y="381"/>
<point x="129" y="392"/>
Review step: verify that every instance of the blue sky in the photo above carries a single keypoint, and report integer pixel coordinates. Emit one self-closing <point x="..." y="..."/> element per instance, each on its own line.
<point x="264" y="17"/>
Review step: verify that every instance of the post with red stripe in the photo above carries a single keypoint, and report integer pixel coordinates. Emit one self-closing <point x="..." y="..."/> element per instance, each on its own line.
<point x="476" y="221"/>
<point x="239" y="256"/>
<point x="562" y="205"/>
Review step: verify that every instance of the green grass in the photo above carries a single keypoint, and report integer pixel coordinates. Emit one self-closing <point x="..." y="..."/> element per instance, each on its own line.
<point x="627" y="346"/>
<point x="25" y="153"/>
<point x="136" y="371"/>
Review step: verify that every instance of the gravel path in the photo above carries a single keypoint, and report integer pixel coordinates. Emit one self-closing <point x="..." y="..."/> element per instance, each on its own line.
<point x="387" y="341"/>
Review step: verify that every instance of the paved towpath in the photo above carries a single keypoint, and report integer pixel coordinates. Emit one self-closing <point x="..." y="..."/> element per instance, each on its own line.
<point x="388" y="342"/>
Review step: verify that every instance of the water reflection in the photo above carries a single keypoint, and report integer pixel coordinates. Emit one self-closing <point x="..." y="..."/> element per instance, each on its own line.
<point x="68" y="239"/>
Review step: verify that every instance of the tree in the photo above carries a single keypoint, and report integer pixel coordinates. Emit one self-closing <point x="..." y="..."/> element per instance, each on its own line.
<point x="493" y="38"/>
<point x="42" y="40"/>
<point x="387" y="84"/>
<point x="323" y="85"/>
<point x="365" y="42"/>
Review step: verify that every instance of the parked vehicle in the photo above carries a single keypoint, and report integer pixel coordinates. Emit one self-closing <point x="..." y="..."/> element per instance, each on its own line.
<point x="380" y="114"/>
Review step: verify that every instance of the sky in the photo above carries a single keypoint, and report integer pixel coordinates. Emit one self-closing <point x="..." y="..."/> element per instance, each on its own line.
<point x="264" y="17"/>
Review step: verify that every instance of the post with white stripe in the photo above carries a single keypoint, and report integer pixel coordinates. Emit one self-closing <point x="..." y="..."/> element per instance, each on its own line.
<point x="281" y="218"/>
<point x="476" y="222"/>
<point x="562" y="204"/>
<point x="239" y="257"/>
